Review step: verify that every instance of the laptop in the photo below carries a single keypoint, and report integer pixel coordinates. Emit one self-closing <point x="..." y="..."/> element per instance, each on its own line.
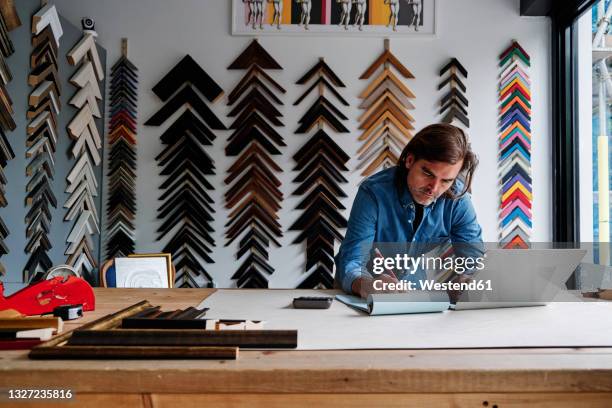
<point x="521" y="277"/>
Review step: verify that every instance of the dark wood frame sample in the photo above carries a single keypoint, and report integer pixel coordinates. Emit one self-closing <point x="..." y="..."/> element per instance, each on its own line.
<point x="122" y="163"/>
<point x="387" y="125"/>
<point x="9" y="20"/>
<point x="108" y="338"/>
<point x="254" y="195"/>
<point x="454" y="104"/>
<point x="187" y="209"/>
<point x="59" y="347"/>
<point x="320" y="162"/>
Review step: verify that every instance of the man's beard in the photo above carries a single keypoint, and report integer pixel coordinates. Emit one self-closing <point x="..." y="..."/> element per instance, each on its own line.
<point x="427" y="194"/>
<point x="421" y="192"/>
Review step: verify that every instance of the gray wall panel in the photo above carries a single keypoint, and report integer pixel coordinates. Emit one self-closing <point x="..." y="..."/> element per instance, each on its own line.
<point x="14" y="214"/>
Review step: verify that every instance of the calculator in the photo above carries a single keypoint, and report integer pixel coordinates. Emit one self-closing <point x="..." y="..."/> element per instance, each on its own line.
<point x="312" y="302"/>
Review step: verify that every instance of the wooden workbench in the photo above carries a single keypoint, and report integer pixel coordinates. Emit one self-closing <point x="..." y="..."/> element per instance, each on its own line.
<point x="406" y="378"/>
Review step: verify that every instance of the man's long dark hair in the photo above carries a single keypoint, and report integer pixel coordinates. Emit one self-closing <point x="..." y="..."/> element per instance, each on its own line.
<point x="440" y="143"/>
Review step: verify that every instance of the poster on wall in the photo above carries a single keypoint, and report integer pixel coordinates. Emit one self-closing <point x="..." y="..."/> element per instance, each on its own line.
<point x="341" y="17"/>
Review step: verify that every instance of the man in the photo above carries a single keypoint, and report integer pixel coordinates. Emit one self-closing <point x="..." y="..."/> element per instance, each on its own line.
<point x="419" y="200"/>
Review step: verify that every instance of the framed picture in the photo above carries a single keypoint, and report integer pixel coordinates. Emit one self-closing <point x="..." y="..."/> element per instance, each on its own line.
<point x="341" y="17"/>
<point x="144" y="271"/>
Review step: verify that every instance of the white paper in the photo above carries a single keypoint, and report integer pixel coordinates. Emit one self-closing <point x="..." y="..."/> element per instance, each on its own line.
<point x="562" y="324"/>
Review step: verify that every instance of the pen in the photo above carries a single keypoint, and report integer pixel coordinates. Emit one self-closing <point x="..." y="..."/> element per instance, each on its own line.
<point x="389" y="272"/>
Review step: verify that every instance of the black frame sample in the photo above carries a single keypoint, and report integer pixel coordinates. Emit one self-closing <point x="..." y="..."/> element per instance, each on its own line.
<point x="320" y="162"/>
<point x="186" y="206"/>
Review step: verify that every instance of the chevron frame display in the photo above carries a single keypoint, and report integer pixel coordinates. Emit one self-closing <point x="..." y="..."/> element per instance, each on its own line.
<point x="121" y="202"/>
<point x="7" y="123"/>
<point x="254" y="195"/>
<point x="7" y="49"/>
<point x="454" y="104"/>
<point x="82" y="184"/>
<point x="515" y="216"/>
<point x="42" y="135"/>
<point x="320" y="162"/>
<point x="386" y="123"/>
<point x="187" y="210"/>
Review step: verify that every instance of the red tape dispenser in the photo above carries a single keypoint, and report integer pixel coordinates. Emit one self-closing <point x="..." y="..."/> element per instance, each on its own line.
<point x="45" y="295"/>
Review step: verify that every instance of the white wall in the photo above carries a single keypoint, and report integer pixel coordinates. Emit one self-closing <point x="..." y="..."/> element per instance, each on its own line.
<point x="160" y="32"/>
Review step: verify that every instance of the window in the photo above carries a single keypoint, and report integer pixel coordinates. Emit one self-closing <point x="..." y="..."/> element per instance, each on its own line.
<point x="594" y="94"/>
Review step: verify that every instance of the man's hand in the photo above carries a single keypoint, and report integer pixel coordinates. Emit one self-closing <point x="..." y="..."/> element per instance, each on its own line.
<point x="454" y="295"/>
<point x="364" y="286"/>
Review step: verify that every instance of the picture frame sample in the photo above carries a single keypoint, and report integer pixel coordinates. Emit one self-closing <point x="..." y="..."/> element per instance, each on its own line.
<point x="340" y="17"/>
<point x="166" y="255"/>
<point x="143" y="272"/>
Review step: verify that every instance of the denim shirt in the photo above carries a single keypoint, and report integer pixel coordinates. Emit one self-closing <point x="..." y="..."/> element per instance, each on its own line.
<point x="383" y="213"/>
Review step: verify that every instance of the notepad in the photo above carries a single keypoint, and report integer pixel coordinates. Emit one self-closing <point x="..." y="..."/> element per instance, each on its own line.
<point x="398" y="303"/>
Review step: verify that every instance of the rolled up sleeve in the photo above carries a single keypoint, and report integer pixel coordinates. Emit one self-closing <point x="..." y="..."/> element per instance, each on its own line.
<point x="466" y="233"/>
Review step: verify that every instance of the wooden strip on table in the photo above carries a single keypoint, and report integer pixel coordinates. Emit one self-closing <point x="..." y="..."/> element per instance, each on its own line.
<point x="55" y="323"/>
<point x="145" y="323"/>
<point x="186" y="337"/>
<point x="139" y="352"/>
